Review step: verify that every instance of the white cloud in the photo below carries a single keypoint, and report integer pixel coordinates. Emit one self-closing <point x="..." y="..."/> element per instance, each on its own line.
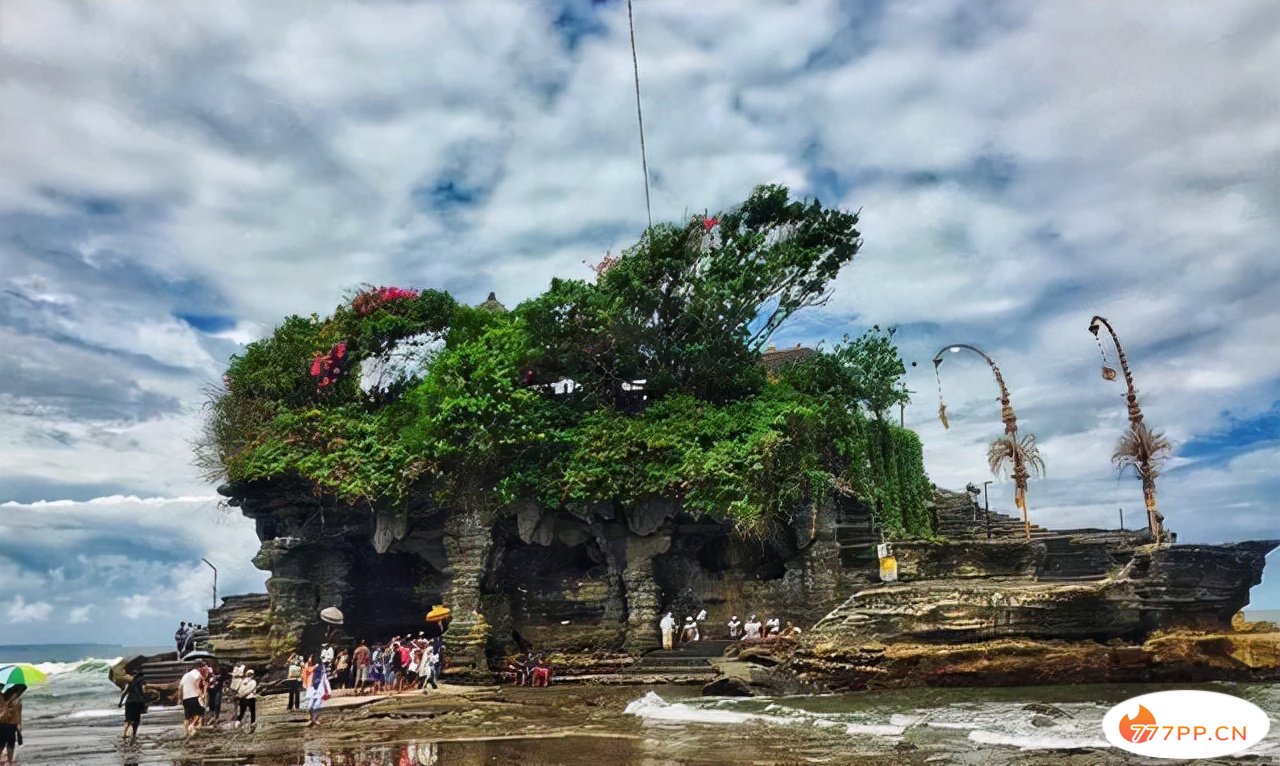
<point x="1018" y="168"/>
<point x="80" y="614"/>
<point x="19" y="611"/>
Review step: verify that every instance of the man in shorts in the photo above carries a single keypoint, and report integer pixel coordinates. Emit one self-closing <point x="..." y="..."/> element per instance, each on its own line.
<point x="134" y="700"/>
<point x="362" y="658"/>
<point x="190" y="688"/>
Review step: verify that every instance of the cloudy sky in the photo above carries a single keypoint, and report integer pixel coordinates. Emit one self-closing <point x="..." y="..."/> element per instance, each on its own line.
<point x="174" y="179"/>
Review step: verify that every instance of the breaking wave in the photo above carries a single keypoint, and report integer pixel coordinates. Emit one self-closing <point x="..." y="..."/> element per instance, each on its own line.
<point x="652" y="707"/>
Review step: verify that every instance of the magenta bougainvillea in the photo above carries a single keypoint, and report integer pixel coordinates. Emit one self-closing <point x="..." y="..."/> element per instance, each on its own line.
<point x="377" y="297"/>
<point x="328" y="367"/>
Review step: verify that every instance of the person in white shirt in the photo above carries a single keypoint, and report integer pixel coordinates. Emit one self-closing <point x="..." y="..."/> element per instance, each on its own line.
<point x="190" y="687"/>
<point x="668" y="627"/>
<point x="247" y="695"/>
<point x="772" y="627"/>
<point x="429" y="670"/>
<point x="237" y="676"/>
<point x="752" y="628"/>
<point x="690" y="631"/>
<point x="326" y="656"/>
<point x="735" y="628"/>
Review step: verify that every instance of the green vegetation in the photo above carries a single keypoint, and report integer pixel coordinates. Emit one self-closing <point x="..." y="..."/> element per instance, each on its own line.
<point x="668" y="396"/>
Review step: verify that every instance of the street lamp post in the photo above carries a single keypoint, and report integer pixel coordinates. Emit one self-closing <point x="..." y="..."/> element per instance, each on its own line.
<point x="215" y="582"/>
<point x="986" y="501"/>
<point x="1146" y="467"/>
<point x="1020" y="474"/>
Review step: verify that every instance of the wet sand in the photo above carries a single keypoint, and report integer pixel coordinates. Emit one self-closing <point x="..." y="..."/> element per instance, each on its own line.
<point x="570" y="725"/>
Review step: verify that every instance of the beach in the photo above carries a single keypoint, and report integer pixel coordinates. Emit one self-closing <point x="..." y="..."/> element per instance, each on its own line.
<point x="73" y="720"/>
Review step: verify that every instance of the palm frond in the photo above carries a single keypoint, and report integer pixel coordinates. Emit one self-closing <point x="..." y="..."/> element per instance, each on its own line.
<point x="1140" y="446"/>
<point x="1001" y="454"/>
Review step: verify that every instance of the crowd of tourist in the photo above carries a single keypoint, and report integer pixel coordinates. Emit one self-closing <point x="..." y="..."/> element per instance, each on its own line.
<point x="737" y="630"/>
<point x="402" y="664"/>
<point x="184" y="637"/>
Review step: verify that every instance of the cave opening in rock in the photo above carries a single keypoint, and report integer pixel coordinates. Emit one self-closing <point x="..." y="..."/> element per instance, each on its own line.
<point x="561" y="593"/>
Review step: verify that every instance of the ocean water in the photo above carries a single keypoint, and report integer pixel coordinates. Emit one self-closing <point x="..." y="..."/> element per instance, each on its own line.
<point x="78" y="686"/>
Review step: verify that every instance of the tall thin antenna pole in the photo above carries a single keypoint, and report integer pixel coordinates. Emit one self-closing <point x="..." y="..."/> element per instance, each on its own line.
<point x="644" y="161"/>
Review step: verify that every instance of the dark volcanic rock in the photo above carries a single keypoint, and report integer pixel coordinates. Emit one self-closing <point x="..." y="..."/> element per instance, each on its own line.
<point x="587" y="587"/>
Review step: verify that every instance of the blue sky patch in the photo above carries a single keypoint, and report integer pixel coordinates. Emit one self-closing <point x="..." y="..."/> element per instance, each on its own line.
<point x="1239" y="436"/>
<point x="207" y="323"/>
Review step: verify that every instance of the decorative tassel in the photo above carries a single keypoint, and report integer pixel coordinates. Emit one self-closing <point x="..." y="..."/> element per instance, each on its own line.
<point x="942" y="415"/>
<point x="1108" y="373"/>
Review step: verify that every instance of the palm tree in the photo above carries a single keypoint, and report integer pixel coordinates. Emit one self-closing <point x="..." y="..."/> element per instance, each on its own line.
<point x="1144" y="450"/>
<point x="1009" y="453"/>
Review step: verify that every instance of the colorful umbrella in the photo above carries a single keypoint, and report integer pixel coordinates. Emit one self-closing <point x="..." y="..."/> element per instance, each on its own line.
<point x="21" y="674"/>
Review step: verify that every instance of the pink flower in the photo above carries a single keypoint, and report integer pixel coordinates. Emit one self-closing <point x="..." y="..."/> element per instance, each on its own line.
<point x="710" y="223"/>
<point x="315" y="366"/>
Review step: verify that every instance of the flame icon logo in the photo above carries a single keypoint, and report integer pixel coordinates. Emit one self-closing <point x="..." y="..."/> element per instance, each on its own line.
<point x="1140" y="728"/>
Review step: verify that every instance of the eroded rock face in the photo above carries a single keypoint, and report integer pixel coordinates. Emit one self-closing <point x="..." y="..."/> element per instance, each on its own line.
<point x="1166" y="615"/>
<point x="588" y="586"/>
<point x="1187" y="587"/>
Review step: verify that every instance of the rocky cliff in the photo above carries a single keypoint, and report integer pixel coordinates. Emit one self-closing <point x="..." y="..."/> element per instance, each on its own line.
<point x="1070" y="607"/>
<point x="589" y="587"/>
<point x="984" y="605"/>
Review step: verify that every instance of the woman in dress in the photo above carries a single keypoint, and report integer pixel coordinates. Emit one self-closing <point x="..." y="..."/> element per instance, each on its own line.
<point x="317" y="692"/>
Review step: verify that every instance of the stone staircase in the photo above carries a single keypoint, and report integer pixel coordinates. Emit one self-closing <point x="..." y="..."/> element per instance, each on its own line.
<point x="857" y="536"/>
<point x="687" y="663"/>
<point x="957" y="520"/>
<point x="1070" y="554"/>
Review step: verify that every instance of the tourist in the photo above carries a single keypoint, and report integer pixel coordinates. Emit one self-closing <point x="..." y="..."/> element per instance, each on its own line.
<point x="690" y="631"/>
<point x="248" y="698"/>
<point x="341" y="668"/>
<point x="391" y="669"/>
<point x="206" y="673"/>
<point x="190" y="687"/>
<point x="293" y="683"/>
<point x="361" y="656"/>
<point x="237" y="677"/>
<point x="11" y="720"/>
<point x="326" y="657"/>
<point x="437" y="643"/>
<point x="217" y="681"/>
<point x="751" y="630"/>
<point x="411" y="668"/>
<point x="377" y="668"/>
<point x="668" y="627"/>
<point x="317" y="692"/>
<point x="772" y="627"/>
<point x="735" y="628"/>
<point x="308" y="670"/>
<point x="134" y="701"/>
<point x="405" y="678"/>
<point x="180" y="638"/>
<point x="429" y="668"/>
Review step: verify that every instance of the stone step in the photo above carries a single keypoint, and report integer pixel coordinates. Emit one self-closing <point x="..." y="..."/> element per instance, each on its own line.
<point x="707" y="648"/>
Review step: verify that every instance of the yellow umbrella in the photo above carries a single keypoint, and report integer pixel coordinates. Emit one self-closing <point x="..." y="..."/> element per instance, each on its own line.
<point x="439" y="613"/>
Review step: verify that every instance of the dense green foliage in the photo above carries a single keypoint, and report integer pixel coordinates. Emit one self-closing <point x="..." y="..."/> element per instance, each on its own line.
<point x="667" y="396"/>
